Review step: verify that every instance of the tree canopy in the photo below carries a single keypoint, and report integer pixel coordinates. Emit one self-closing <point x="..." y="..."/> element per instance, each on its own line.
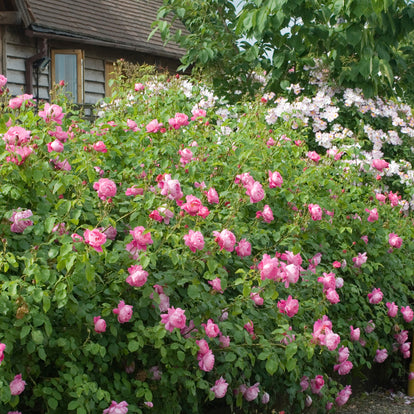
<point x="364" y="43"/>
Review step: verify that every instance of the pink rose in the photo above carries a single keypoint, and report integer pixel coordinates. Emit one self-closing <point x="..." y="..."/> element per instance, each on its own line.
<point x="186" y="156"/>
<point x="198" y="113"/>
<point x="153" y="126"/>
<point x="392" y="309"/>
<point x="332" y="296"/>
<point x="224" y="341"/>
<point x="52" y="113"/>
<point x="360" y="259"/>
<point x="269" y="267"/>
<point x="343" y="396"/>
<point x="100" y="324"/>
<point x="19" y="220"/>
<point x="115" y="408"/>
<point x="212" y="330"/>
<point x="379" y="164"/>
<point x="266" y="214"/>
<point x="212" y="196"/>
<point x="216" y="284"/>
<point x="249" y="326"/>
<point x="343" y="354"/>
<point x="95" y="239"/>
<point x="17" y="385"/>
<point x="106" y="188"/>
<point x="194" y="240"/>
<point x="99" y="146"/>
<point x="55" y="146"/>
<point x="315" y="212"/>
<point x="2" y="348"/>
<point x="139" y="87"/>
<point x="225" y="239"/>
<point x="304" y="383"/>
<point x="192" y="206"/>
<point x="256" y="192"/>
<point x="373" y="215"/>
<point x="394" y="198"/>
<point x="381" y="355"/>
<point x="244" y="248"/>
<point x="317" y="384"/>
<point x="355" y="333"/>
<point x="289" y="306"/>
<point x="175" y="318"/>
<point x="407" y="313"/>
<point x="252" y="392"/>
<point x="140" y="241"/>
<point x="178" y="121"/>
<point x="3" y="81"/>
<point x="331" y="340"/>
<point x="220" y="388"/>
<point x="256" y="298"/>
<point x="394" y="240"/>
<point x="206" y="361"/>
<point x="137" y="276"/>
<point x="370" y="327"/>
<point x="314" y="156"/>
<point x="343" y="368"/>
<point x="375" y="296"/>
<point x="275" y="179"/>
<point x="123" y="311"/>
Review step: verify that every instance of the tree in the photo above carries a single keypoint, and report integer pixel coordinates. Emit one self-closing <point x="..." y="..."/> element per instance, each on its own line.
<point x="362" y="43"/>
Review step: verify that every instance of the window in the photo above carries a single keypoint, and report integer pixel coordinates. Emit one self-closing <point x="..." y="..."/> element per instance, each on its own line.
<point x="67" y="65"/>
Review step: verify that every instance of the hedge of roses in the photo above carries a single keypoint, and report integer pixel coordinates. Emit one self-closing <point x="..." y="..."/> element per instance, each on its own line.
<point x="178" y="253"/>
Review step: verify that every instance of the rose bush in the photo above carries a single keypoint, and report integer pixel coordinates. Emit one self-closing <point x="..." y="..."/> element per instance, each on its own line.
<point x="247" y="272"/>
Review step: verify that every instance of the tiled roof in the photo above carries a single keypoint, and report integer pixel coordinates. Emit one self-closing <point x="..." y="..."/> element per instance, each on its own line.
<point x="124" y="24"/>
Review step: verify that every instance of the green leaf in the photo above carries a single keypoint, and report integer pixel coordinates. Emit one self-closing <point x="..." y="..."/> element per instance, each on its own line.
<point x="37" y="336"/>
<point x="133" y="346"/>
<point x="49" y="224"/>
<point x="25" y="331"/>
<point x="193" y="292"/>
<point x="73" y="404"/>
<point x="271" y="365"/>
<point x="230" y="357"/>
<point x="181" y="356"/>
<point x="52" y="402"/>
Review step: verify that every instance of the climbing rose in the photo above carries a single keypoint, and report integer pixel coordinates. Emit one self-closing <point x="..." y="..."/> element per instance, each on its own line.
<point x="194" y="240"/>
<point x="332" y="296"/>
<point x="192" y="206"/>
<point x="375" y="296"/>
<point x="225" y="239"/>
<point x="17" y="385"/>
<point x="52" y="113"/>
<point x="137" y="276"/>
<point x="355" y="333"/>
<point x="206" y="361"/>
<point x="314" y="156"/>
<point x="407" y="313"/>
<point x="56" y="146"/>
<point x="275" y="179"/>
<point x="360" y="259"/>
<point x="123" y="311"/>
<point x="2" y="348"/>
<point x="373" y="215"/>
<point x="99" y="146"/>
<point x="216" y="284"/>
<point x="269" y="267"/>
<point x="115" y="408"/>
<point x="394" y="240"/>
<point x="343" y="368"/>
<point x="95" y="239"/>
<point x="392" y="309"/>
<point x="19" y="222"/>
<point x="289" y="306"/>
<point x="175" y="318"/>
<point x="315" y="212"/>
<point x="244" y="248"/>
<point x="178" y="120"/>
<point x="331" y="340"/>
<point x="100" y="324"/>
<point x="343" y="354"/>
<point x="379" y="164"/>
<point x="212" y="196"/>
<point x="154" y="126"/>
<point x="381" y="355"/>
<point x="220" y="388"/>
<point x="140" y="241"/>
<point x="343" y="395"/>
<point x="317" y="383"/>
<point x="106" y="188"/>
<point x="252" y="392"/>
<point x="170" y="188"/>
<point x="211" y="329"/>
<point x="266" y="214"/>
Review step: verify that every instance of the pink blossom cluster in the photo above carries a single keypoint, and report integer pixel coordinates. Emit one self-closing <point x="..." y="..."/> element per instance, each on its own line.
<point x="174" y="318"/>
<point x="194" y="207"/>
<point x="178" y="121"/>
<point x="323" y="334"/>
<point x="402" y="345"/>
<point x="18" y="142"/>
<point x="205" y="356"/>
<point x="117" y="408"/>
<point x="254" y="189"/>
<point x="52" y="113"/>
<point x="344" y="366"/>
<point x="169" y="187"/>
<point x="20" y="220"/>
<point x="24" y="100"/>
<point x="140" y="241"/>
<point x="329" y="283"/>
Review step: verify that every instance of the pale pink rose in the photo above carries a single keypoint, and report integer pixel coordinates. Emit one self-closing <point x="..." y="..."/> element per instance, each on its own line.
<point x="203" y="345"/>
<point x="379" y="164"/>
<point x="203" y="212"/>
<point x="344" y="367"/>
<point x="140" y="241"/>
<point x="320" y="327"/>
<point x="155" y="373"/>
<point x="18" y="101"/>
<point x="56" y="146"/>
<point x="19" y="220"/>
<point x="100" y="324"/>
<point x="16" y="135"/>
<point x="380" y="197"/>
<point x="106" y="188"/>
<point x="244" y="248"/>
<point x="61" y="165"/>
<point x="381" y="355"/>
<point x="252" y="392"/>
<point x="339" y="282"/>
<point x="170" y="188"/>
<point x="315" y="212"/>
<point x="137" y="276"/>
<point x="275" y="179"/>
<point x="206" y="361"/>
<point x="52" y="113"/>
<point x="212" y="196"/>
<point x="313" y="156"/>
<point x="59" y="134"/>
<point x="265" y="398"/>
<point x="343" y="354"/>
<point x="394" y="240"/>
<point x="375" y="296"/>
<point x="216" y="284"/>
<point x="134" y="191"/>
<point x="331" y="340"/>
<point x="132" y="125"/>
<point x="164" y="302"/>
<point x="332" y="296"/>
<point x="17" y="385"/>
<point x="220" y="388"/>
<point x="153" y="126"/>
<point x="394" y="198"/>
<point x="304" y="383"/>
<point x="289" y="306"/>
<point x="291" y="274"/>
<point x="317" y="384"/>
<point x="198" y="113"/>
<point x="194" y="240"/>
<point x="392" y="309"/>
<point x="249" y="326"/>
<point x="328" y="280"/>
<point x="149" y="404"/>
<point x="360" y="259"/>
<point x="224" y="341"/>
<point x="246" y="179"/>
<point x="225" y="239"/>
<point x="95" y="239"/>
<point x="373" y="214"/>
<point x="178" y="121"/>
<point x="175" y="318"/>
<point x="266" y="214"/>
<point x="115" y="408"/>
<point x="370" y="327"/>
<point x="401" y="337"/>
<point x="255" y="192"/>
<point x="256" y="298"/>
<point x="343" y="396"/>
<point x="192" y="205"/>
<point x="99" y="146"/>
<point x="212" y="330"/>
<point x="355" y="333"/>
<point x="139" y="87"/>
<point x="407" y="313"/>
<point x="123" y="311"/>
<point x="186" y="156"/>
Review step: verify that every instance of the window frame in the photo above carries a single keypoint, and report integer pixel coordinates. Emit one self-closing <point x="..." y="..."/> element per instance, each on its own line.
<point x="79" y="69"/>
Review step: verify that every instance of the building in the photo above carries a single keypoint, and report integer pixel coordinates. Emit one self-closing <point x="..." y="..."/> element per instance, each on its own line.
<point x="45" y="41"/>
